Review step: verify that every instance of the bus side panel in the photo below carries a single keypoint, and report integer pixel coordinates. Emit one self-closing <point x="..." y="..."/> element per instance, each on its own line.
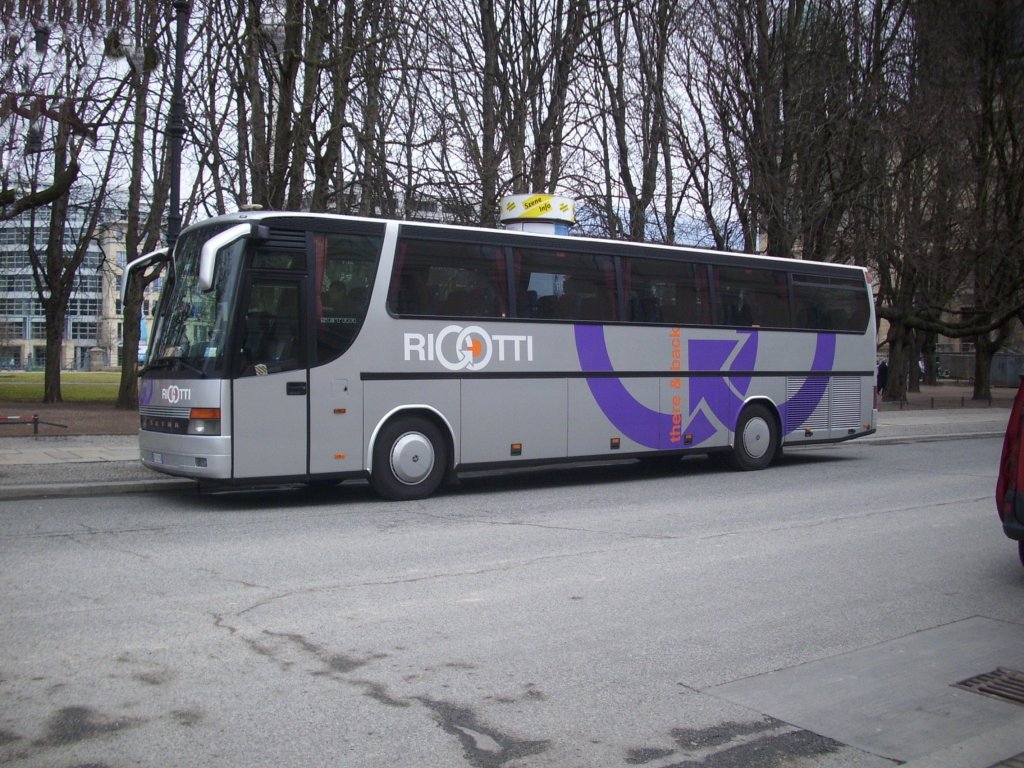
<point x="857" y="388"/>
<point x="500" y="413"/>
<point x="628" y="413"/>
<point x="384" y="398"/>
<point x="335" y="428"/>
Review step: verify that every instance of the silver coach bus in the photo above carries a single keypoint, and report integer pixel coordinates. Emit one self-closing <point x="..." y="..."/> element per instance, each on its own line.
<point x="306" y="347"/>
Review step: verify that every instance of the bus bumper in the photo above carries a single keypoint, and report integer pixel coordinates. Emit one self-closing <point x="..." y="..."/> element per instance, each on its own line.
<point x="202" y="457"/>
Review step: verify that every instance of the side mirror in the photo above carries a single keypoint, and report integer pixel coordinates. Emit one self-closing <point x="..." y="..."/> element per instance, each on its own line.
<point x="143" y="262"/>
<point x="217" y="243"/>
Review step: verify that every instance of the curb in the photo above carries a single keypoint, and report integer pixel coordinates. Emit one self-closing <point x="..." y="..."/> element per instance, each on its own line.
<point x="95" y="488"/>
<point x="901" y="439"/>
<point x="996" y="748"/>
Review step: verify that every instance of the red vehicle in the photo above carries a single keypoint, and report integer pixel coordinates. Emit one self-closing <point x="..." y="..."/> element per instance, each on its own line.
<point x="1010" y="485"/>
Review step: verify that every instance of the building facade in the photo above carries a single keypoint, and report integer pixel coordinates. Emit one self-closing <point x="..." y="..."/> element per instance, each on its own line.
<point x="93" y="325"/>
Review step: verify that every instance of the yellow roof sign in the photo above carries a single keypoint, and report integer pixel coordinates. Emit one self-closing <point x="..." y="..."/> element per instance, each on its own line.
<point x="538" y="206"/>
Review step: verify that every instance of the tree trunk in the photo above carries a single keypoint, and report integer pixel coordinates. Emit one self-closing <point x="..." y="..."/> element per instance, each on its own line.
<point x="54" y="352"/>
<point x="53" y="280"/>
<point x="131" y="331"/>
<point x="982" y="374"/>
<point x="914" y="361"/>
<point x="985" y="348"/>
<point x="489" y="155"/>
<point x="896" y="386"/>
<point x="128" y="392"/>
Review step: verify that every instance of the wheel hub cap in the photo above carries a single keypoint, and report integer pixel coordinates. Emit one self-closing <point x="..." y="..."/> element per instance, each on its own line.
<point x="412" y="458"/>
<point x="756" y="437"/>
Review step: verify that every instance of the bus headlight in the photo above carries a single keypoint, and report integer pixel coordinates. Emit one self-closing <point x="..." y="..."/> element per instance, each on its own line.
<point x="204" y="421"/>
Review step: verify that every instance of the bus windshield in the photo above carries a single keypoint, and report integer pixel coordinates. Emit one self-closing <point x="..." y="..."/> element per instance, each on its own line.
<point x="192" y="328"/>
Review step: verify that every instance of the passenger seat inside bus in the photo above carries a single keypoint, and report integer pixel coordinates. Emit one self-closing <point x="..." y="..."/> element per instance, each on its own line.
<point x="336" y="299"/>
<point x="282" y="341"/>
<point x="257" y="333"/>
<point x="547" y="307"/>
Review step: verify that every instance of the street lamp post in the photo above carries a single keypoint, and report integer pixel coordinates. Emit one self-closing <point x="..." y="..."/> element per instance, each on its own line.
<point x="176" y="128"/>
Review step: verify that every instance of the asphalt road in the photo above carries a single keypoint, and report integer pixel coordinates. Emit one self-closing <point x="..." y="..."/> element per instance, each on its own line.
<point x="655" y="616"/>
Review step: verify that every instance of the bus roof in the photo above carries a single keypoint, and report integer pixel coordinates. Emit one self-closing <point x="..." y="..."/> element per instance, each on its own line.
<point x="505" y="237"/>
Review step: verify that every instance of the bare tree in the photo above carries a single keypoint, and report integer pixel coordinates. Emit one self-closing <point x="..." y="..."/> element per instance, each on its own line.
<point x="141" y="42"/>
<point x="504" y="75"/>
<point x="996" y="221"/>
<point x="538" y="55"/>
<point x="272" y="100"/>
<point x="27" y="106"/>
<point x="953" y="261"/>
<point x="795" y="89"/>
<point x="66" y="134"/>
<point x="628" y="63"/>
<point x="702" y="139"/>
<point x="884" y="133"/>
<point x="470" y="150"/>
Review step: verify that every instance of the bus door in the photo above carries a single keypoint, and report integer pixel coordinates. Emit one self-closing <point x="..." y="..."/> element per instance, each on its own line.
<point x="270" y="391"/>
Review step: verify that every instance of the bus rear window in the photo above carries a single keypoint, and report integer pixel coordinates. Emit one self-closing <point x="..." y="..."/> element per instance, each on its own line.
<point x="830" y="304"/>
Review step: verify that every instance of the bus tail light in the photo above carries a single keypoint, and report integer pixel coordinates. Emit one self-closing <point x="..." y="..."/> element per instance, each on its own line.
<point x="204" y="421"/>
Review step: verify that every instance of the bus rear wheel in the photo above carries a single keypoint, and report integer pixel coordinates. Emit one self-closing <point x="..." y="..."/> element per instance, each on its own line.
<point x="409" y="459"/>
<point x="757" y="438"/>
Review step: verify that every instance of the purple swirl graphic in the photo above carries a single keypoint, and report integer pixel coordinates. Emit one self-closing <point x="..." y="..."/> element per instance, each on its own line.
<point x="146" y="387"/>
<point x="721" y="396"/>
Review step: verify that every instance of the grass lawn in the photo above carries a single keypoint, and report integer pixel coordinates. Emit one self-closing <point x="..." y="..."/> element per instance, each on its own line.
<point x="75" y="386"/>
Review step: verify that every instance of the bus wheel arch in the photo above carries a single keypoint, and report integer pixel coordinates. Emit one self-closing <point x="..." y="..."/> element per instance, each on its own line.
<point x="757" y="440"/>
<point x="411" y="455"/>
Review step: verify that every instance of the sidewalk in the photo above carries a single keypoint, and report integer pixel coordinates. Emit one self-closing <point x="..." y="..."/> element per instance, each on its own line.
<point x="949" y="395"/>
<point x="77" y="465"/>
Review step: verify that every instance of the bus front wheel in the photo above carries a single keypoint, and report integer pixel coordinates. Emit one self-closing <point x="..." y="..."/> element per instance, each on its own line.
<point x="409" y="459"/>
<point x="757" y="438"/>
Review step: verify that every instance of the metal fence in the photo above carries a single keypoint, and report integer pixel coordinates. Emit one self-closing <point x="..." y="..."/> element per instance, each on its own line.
<point x="1006" y="369"/>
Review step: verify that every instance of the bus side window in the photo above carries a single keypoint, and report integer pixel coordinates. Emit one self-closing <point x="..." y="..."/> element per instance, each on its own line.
<point x="410" y="297"/>
<point x="666" y="291"/>
<point x="751" y="297"/>
<point x="346" y="265"/>
<point x="810" y="296"/>
<point x="462" y="280"/>
<point x="849" y="305"/>
<point x="564" y="285"/>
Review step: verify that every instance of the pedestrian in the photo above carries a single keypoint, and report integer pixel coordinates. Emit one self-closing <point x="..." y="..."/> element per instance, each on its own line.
<point x="883" y="376"/>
